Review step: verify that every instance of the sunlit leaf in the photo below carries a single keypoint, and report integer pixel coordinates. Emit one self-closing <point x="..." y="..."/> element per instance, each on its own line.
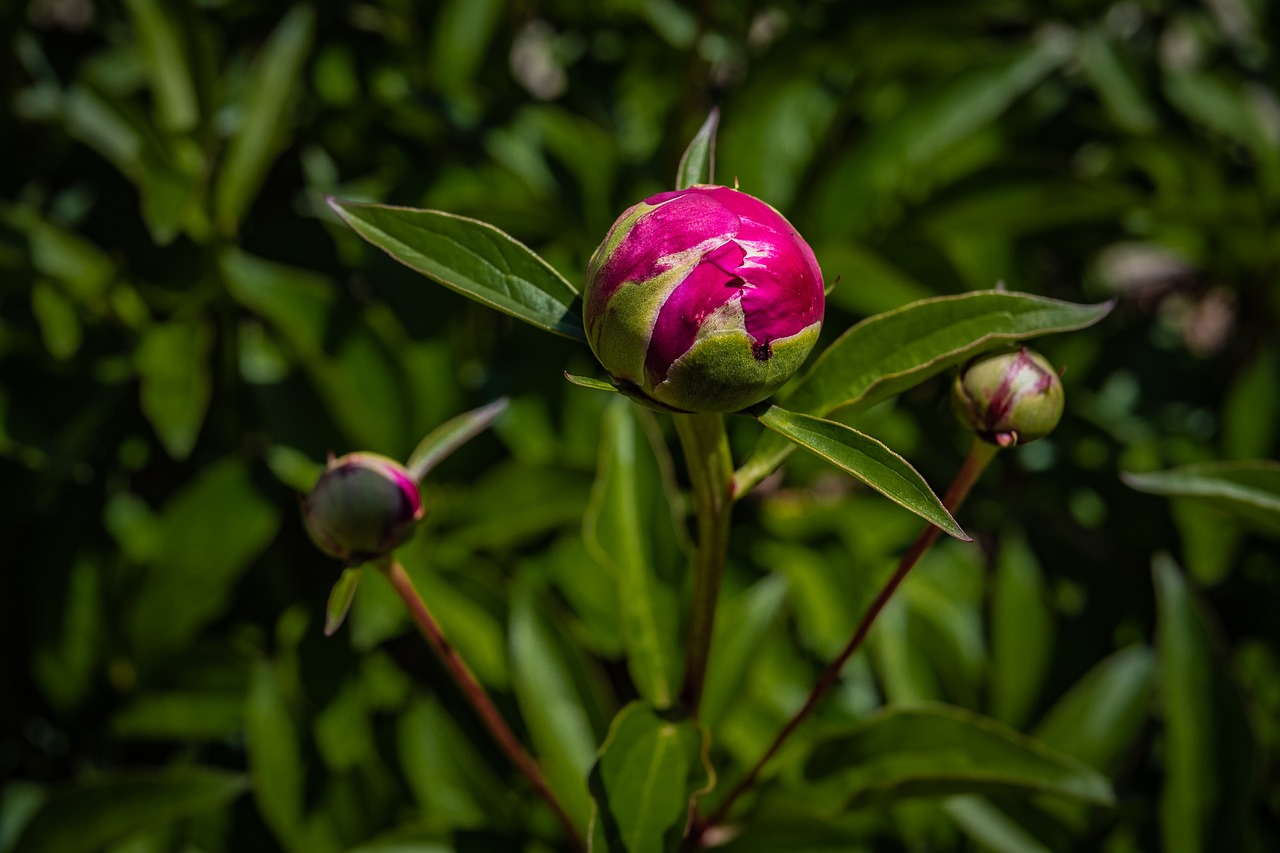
<point x="928" y="750"/>
<point x="886" y="354"/>
<point x="650" y="769"/>
<point x="1022" y="629"/>
<point x="165" y="52"/>
<point x="867" y="459"/>
<point x="472" y="258"/>
<point x="449" y="436"/>
<point x="698" y="163"/>
<point x="340" y="598"/>
<point x="1248" y="489"/>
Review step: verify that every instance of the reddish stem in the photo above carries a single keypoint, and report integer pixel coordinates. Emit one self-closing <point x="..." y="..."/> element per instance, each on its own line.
<point x="980" y="454"/>
<point x="476" y="694"/>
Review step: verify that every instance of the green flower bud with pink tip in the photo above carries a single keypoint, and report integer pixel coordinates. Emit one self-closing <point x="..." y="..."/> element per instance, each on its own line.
<point x="362" y="507"/>
<point x="702" y="300"/>
<point x="1010" y="398"/>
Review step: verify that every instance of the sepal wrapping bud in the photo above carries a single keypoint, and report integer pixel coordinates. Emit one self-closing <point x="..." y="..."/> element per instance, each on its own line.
<point x="1009" y="398"/>
<point x="362" y="507"/>
<point x="702" y="300"/>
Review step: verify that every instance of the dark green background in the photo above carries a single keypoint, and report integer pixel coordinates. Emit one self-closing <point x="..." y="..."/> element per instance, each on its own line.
<point x="184" y="328"/>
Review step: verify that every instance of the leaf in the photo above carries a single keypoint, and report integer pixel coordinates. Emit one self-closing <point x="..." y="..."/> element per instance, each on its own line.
<point x="165" y="53"/>
<point x="931" y="750"/>
<point x="1248" y="489"/>
<point x="90" y="815"/>
<point x="593" y="384"/>
<point x="452" y="434"/>
<point x="650" y="769"/>
<point x="266" y="117"/>
<point x="1022" y="628"/>
<point x="295" y="301"/>
<point x="886" y="354"/>
<point x="172" y="362"/>
<point x="866" y="459"/>
<point x="740" y="630"/>
<point x="551" y="702"/>
<point x="340" y="598"/>
<point x="275" y="756"/>
<point x="618" y="532"/>
<point x="1209" y="750"/>
<point x="472" y="258"/>
<point x="191" y="716"/>
<point x="990" y="827"/>
<point x="1098" y="718"/>
<point x="698" y="163"/>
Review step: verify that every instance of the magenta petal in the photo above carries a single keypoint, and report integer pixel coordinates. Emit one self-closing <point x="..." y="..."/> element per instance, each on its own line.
<point x="708" y="286"/>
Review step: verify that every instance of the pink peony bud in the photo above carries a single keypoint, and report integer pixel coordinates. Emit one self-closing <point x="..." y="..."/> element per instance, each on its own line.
<point x="703" y="300"/>
<point x="1010" y="398"/>
<point x="362" y="507"/>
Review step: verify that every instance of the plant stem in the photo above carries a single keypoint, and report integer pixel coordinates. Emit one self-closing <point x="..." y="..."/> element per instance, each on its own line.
<point x="980" y="454"/>
<point x="475" y="693"/>
<point x="706" y="453"/>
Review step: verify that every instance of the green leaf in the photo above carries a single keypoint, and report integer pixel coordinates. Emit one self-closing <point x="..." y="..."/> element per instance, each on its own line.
<point x="1022" y="628"/>
<point x="191" y="716"/>
<point x="990" y="827"/>
<point x="593" y="384"/>
<point x="295" y="301"/>
<point x="886" y="354"/>
<point x="266" y="117"/>
<point x="472" y="258"/>
<point x="165" y="53"/>
<point x="340" y="598"/>
<point x="866" y="459"/>
<point x="741" y="627"/>
<point x="1098" y="718"/>
<point x="554" y="708"/>
<point x="618" y="530"/>
<point x="698" y="163"/>
<point x="452" y="434"/>
<point x="650" y="769"/>
<point x="275" y="755"/>
<point x="90" y="815"/>
<point x="1209" y="750"/>
<point x="931" y="750"/>
<point x="1248" y="489"/>
<point x="56" y="316"/>
<point x="173" y="365"/>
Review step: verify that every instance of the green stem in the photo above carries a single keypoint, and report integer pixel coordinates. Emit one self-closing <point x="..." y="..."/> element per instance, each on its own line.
<point x="475" y="693"/>
<point x="706" y="453"/>
<point x="980" y="455"/>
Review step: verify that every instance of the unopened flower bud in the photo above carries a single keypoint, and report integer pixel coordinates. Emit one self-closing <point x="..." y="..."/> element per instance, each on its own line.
<point x="702" y="300"/>
<point x="1010" y="398"/>
<point x="362" y="507"/>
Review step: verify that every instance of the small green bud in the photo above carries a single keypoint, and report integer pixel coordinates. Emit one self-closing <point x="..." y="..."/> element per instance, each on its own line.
<point x="362" y="507"/>
<point x="1009" y="398"/>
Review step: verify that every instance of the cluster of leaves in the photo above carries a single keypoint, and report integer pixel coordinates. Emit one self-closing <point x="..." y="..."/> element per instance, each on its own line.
<point x="185" y="329"/>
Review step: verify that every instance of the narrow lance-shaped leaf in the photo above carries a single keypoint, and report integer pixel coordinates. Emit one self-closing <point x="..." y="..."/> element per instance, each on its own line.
<point x="698" y="163"/>
<point x="650" y="769"/>
<point x="1248" y="489"/>
<point x="473" y="258"/>
<point x="452" y="434"/>
<point x="266" y="121"/>
<point x="934" y="750"/>
<point x="163" y="48"/>
<point x="94" y="814"/>
<point x="340" y="598"/>
<point x="891" y="352"/>
<point x="866" y="459"/>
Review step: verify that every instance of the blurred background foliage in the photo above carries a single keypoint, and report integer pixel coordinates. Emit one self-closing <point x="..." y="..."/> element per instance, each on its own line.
<point x="185" y="331"/>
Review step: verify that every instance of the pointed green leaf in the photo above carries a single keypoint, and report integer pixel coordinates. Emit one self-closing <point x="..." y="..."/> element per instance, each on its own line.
<point x="698" y="163"/>
<point x="1209" y="752"/>
<point x="340" y="598"/>
<point x="866" y="459"/>
<point x="650" y="769"/>
<point x="1098" y="718"/>
<point x="1248" y="489"/>
<point x="266" y="120"/>
<point x="173" y="366"/>
<point x="472" y="258"/>
<point x="452" y="434"/>
<point x="165" y="52"/>
<point x="619" y="529"/>
<point x="593" y="384"/>
<point x="1022" y="628"/>
<point x="889" y="353"/>
<point x="930" y="750"/>
<point x="275" y="755"/>
<point x="93" y="814"/>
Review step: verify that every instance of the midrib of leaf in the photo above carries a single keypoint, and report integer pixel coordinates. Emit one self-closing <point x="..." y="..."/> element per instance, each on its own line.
<point x="666" y="737"/>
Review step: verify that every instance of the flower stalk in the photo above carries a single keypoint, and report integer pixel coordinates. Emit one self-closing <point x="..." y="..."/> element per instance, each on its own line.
<point x="710" y="466"/>
<point x="980" y="455"/>
<point x="475" y="693"/>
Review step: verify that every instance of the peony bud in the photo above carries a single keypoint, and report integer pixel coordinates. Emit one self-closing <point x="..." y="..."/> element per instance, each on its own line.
<point x="702" y="300"/>
<point x="362" y="507"/>
<point x="1010" y="398"/>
